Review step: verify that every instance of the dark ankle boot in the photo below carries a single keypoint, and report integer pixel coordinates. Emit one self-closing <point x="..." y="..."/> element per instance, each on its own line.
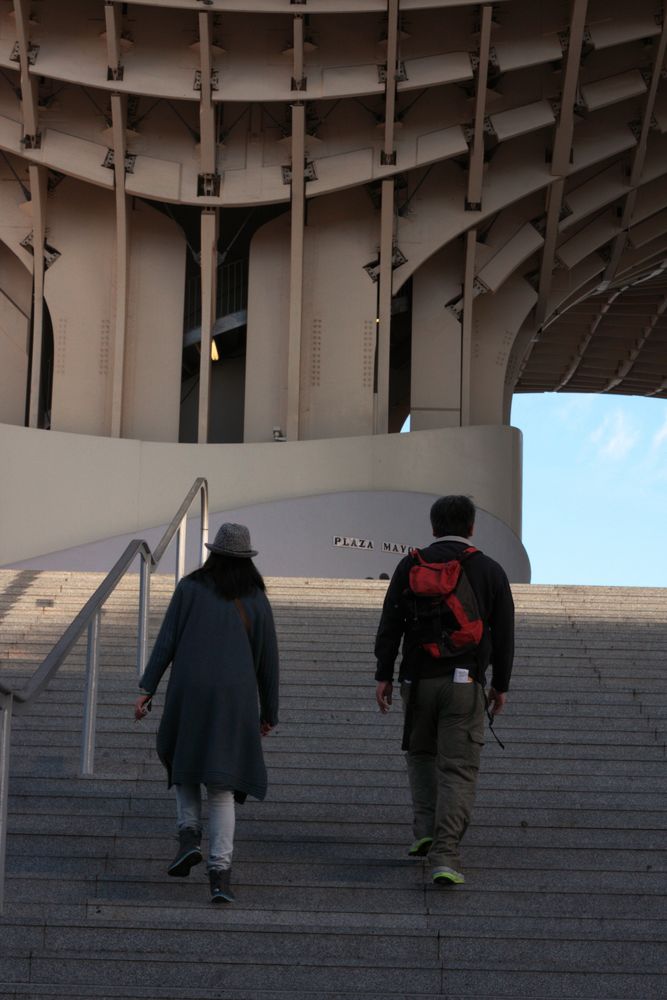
<point x="219" y="879"/>
<point x="189" y="853"/>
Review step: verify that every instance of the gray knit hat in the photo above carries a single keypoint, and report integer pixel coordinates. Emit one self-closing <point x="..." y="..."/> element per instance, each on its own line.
<point x="232" y="540"/>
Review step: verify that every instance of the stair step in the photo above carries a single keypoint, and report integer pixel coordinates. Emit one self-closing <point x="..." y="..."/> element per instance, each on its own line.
<point x="565" y="863"/>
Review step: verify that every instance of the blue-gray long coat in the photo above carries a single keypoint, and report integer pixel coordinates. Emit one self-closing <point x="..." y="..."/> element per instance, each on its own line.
<point x="209" y="732"/>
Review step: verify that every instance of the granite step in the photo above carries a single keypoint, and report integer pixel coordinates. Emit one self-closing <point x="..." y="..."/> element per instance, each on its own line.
<point x="565" y="859"/>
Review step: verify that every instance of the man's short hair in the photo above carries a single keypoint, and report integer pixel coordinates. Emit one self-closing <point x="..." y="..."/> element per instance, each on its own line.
<point x="453" y="515"/>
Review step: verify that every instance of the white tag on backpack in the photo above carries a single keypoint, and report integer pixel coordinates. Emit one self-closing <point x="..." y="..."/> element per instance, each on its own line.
<point x="461" y="676"/>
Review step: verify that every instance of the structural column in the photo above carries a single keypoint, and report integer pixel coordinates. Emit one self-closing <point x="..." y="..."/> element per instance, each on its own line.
<point x="31" y="139"/>
<point x="113" y="19"/>
<point x="209" y="186"/>
<point x="560" y="166"/>
<point x="38" y="203"/>
<point x="474" y="205"/>
<point x="387" y="158"/>
<point x="298" y="221"/>
<point x="209" y="271"/>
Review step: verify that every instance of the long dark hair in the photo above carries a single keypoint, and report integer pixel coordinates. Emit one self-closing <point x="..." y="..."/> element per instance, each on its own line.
<point x="230" y="576"/>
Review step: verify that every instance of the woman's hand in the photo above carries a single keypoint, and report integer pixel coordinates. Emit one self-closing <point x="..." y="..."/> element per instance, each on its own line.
<point x="142" y="707"/>
<point x="383" y="695"/>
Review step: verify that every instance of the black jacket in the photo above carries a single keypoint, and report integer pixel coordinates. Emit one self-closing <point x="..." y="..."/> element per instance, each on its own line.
<point x="494" y="597"/>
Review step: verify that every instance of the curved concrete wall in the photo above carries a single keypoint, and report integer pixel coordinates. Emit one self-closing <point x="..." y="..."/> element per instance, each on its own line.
<point x="339" y="535"/>
<point x="67" y="490"/>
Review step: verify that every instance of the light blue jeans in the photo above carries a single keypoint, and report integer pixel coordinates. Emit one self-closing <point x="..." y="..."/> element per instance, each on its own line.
<point x="221" y="820"/>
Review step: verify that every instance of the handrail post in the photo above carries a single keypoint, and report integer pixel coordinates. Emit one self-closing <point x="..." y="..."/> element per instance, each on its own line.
<point x="203" y="530"/>
<point x="144" y="604"/>
<point x="6" y="701"/>
<point x="180" y="548"/>
<point x="90" y="704"/>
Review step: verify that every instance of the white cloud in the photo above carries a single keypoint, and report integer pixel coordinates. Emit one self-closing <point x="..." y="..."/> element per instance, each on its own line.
<point x="660" y="435"/>
<point x="616" y="436"/>
<point x="572" y="408"/>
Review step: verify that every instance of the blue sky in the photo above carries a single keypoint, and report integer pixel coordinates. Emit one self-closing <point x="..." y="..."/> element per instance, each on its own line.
<point x="595" y="486"/>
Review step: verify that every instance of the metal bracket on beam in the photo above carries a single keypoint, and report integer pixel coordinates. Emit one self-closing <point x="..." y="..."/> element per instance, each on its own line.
<point x="636" y="126"/>
<point x="387" y="159"/>
<point x="455" y="306"/>
<point x="398" y="258"/>
<point x="115" y="72"/>
<point x="33" y="52"/>
<point x="401" y="73"/>
<point x="50" y="253"/>
<point x="32" y="141"/>
<point x="109" y="161"/>
<point x="53" y="180"/>
<point x="309" y="172"/>
<point x="208" y="185"/>
<point x="215" y="80"/>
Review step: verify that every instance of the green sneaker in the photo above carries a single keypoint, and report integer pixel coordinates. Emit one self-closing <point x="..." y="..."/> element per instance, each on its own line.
<point x="447" y="876"/>
<point x="420" y="848"/>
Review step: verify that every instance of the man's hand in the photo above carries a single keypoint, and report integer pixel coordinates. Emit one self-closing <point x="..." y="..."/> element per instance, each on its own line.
<point x="383" y="693"/>
<point x="496" y="701"/>
<point x="264" y="728"/>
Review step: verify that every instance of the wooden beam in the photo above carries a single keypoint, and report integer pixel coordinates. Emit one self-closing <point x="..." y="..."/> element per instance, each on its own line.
<point x="113" y="22"/>
<point x="298" y="221"/>
<point x="209" y="274"/>
<point x="113" y="19"/>
<point x="639" y="158"/>
<point x="562" y="151"/>
<point x="390" y="81"/>
<point x="560" y="167"/>
<point x="207" y="141"/>
<point x="38" y="177"/>
<point x="476" y="162"/>
<point x="466" y="326"/>
<point x="387" y="216"/>
<point x="29" y="110"/>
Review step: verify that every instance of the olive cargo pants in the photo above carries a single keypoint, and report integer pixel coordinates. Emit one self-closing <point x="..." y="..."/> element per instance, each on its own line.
<point x="445" y="742"/>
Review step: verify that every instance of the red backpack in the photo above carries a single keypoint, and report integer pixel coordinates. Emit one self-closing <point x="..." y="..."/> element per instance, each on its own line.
<point x="446" y="618"/>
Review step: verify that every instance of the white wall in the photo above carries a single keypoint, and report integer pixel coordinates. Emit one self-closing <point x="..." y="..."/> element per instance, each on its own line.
<point x="315" y="536"/>
<point x="70" y="489"/>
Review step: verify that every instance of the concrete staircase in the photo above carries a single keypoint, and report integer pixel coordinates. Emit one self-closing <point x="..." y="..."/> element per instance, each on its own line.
<point x="565" y="860"/>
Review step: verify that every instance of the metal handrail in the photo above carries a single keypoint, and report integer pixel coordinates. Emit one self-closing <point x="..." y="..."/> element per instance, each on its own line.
<point x="15" y="702"/>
